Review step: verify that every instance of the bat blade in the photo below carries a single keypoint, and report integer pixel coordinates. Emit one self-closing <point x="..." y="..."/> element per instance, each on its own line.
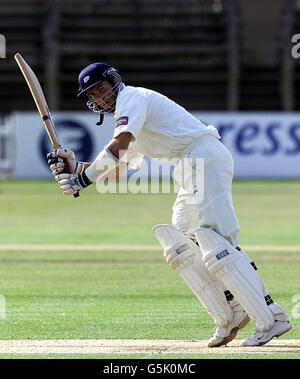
<point x="41" y="104"/>
<point x="39" y="99"/>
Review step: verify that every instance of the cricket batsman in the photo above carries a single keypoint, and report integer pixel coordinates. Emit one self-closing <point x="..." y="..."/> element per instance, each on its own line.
<point x="202" y="242"/>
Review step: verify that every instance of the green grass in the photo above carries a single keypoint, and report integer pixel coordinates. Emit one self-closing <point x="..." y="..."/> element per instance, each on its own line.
<point x="126" y="294"/>
<point x="268" y="212"/>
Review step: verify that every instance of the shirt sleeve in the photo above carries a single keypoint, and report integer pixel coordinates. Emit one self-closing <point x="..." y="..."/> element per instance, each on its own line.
<point x="133" y="157"/>
<point x="130" y="115"/>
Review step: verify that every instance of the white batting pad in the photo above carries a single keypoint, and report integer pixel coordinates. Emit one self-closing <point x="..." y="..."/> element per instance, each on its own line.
<point x="184" y="256"/>
<point x="236" y="273"/>
<point x="278" y="312"/>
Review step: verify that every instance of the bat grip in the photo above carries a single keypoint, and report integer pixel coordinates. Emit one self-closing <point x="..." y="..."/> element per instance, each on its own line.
<point x="68" y="171"/>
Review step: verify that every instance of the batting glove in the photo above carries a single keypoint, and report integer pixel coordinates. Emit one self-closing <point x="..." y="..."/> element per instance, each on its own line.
<point x="63" y="160"/>
<point x="70" y="184"/>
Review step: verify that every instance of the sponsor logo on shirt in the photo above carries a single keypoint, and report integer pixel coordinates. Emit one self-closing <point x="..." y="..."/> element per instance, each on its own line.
<point x="122" y="121"/>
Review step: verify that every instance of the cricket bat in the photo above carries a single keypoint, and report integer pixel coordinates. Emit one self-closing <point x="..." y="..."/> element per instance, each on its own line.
<point x="41" y="103"/>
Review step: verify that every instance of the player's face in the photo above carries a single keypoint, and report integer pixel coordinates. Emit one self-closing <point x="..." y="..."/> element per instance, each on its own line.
<point x="102" y="95"/>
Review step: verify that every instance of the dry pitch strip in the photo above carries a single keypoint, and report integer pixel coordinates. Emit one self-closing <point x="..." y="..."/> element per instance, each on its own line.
<point x="111" y="346"/>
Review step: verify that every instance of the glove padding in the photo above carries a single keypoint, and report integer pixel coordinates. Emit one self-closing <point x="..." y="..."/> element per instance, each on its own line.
<point x="70" y="184"/>
<point x="63" y="160"/>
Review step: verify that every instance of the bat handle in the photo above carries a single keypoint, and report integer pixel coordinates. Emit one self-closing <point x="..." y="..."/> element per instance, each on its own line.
<point x="68" y="171"/>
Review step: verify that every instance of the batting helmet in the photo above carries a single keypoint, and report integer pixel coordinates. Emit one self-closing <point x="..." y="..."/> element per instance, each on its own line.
<point x="94" y="74"/>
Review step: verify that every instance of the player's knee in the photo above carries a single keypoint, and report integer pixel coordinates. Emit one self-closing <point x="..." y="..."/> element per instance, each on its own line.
<point x="178" y="249"/>
<point x="217" y="253"/>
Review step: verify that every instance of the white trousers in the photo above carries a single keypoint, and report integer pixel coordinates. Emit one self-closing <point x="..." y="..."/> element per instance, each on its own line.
<point x="204" y="179"/>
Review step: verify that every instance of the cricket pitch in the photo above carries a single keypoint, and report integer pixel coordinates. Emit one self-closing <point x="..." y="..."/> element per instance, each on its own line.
<point x="118" y="346"/>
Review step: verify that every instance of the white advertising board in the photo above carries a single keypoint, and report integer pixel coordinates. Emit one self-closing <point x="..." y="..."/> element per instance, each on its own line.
<point x="264" y="145"/>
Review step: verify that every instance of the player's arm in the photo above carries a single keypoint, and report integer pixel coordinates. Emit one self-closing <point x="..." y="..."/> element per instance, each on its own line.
<point x="106" y="161"/>
<point x="57" y="166"/>
<point x="114" y="174"/>
<point x="56" y="162"/>
<point x="118" y="146"/>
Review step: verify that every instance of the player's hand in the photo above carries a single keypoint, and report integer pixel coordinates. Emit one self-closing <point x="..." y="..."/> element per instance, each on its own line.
<point x="63" y="160"/>
<point x="70" y="184"/>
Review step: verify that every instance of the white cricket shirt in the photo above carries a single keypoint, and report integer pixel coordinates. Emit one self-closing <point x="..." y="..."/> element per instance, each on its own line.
<point x="160" y="127"/>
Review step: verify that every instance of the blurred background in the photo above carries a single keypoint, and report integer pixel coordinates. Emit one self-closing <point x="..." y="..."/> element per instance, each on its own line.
<point x="230" y="62"/>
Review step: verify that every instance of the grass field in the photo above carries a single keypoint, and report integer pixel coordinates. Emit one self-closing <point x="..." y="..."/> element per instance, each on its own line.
<point x="90" y="268"/>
